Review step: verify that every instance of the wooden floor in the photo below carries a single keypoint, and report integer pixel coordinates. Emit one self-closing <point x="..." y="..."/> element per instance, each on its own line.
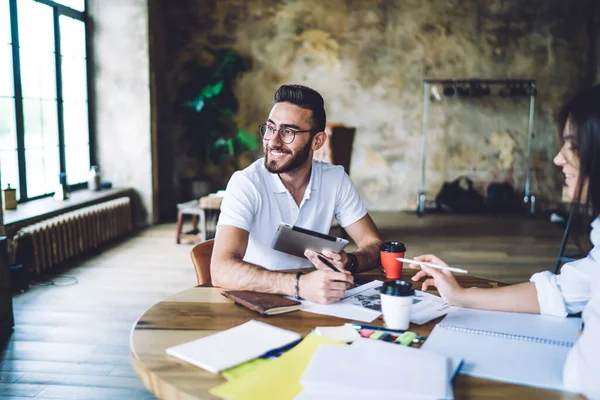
<point x="71" y="341"/>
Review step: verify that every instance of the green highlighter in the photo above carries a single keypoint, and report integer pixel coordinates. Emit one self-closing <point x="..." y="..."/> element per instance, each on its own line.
<point x="406" y="338"/>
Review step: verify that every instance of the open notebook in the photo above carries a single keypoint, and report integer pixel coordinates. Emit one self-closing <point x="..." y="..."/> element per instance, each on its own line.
<point x="511" y="347"/>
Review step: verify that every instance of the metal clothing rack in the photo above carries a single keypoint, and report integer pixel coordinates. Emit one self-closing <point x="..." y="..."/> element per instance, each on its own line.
<point x="475" y="88"/>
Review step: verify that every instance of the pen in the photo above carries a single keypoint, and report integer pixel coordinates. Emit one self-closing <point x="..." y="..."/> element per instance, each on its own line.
<point x="375" y="328"/>
<point x="280" y="350"/>
<point x="408" y="260"/>
<point x="326" y="262"/>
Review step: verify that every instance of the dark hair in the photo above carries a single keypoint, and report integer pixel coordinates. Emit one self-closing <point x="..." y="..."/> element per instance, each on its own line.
<point x="583" y="113"/>
<point x="304" y="97"/>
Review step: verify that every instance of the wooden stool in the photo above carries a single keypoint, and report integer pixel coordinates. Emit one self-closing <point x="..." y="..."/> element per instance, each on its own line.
<point x="205" y="212"/>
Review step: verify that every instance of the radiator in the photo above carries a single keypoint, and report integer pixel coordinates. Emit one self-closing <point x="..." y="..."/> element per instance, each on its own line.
<point x="43" y="245"/>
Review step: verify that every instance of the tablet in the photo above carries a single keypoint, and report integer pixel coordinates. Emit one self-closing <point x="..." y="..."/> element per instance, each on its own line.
<point x="295" y="240"/>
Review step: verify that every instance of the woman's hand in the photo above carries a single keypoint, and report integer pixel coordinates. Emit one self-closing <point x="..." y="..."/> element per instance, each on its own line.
<point x="443" y="280"/>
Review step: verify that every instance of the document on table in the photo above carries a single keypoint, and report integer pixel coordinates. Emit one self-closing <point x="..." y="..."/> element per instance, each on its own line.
<point x="341" y="310"/>
<point x="425" y="306"/>
<point x="383" y="372"/>
<point x="363" y="303"/>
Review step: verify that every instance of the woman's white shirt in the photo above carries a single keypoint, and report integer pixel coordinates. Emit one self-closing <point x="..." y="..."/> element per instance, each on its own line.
<point x="571" y="290"/>
<point x="577" y="289"/>
<point x="581" y="373"/>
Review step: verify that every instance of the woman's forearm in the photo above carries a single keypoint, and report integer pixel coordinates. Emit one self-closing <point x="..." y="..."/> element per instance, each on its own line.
<point x="514" y="298"/>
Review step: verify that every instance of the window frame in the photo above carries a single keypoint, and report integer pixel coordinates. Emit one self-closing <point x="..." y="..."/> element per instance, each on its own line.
<point x="58" y="10"/>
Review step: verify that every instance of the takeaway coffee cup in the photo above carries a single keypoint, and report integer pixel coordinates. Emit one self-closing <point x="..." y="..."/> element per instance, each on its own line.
<point x="396" y="303"/>
<point x="389" y="251"/>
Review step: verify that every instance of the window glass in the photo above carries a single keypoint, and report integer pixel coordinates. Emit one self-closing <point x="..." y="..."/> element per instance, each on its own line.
<point x="41" y="146"/>
<point x="38" y="75"/>
<point x="36" y="26"/>
<point x="78" y="5"/>
<point x="77" y="148"/>
<point x="72" y="37"/>
<point x="74" y="78"/>
<point x="8" y="132"/>
<point x="42" y="170"/>
<point x="9" y="168"/>
<point x="7" y="86"/>
<point x="5" y="22"/>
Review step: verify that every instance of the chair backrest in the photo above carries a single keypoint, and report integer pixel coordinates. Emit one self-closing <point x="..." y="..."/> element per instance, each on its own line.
<point x="338" y="147"/>
<point x="201" y="254"/>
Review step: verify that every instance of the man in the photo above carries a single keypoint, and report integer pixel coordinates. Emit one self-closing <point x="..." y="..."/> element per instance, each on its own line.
<point x="287" y="185"/>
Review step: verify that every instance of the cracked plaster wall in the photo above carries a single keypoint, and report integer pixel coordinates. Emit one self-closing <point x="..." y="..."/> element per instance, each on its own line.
<point x="368" y="58"/>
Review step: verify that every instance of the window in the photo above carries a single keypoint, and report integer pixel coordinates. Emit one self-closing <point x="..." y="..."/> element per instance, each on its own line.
<point x="44" y="111"/>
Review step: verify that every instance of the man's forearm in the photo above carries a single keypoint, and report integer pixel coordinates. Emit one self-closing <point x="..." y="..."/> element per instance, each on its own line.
<point x="239" y="275"/>
<point x="368" y="256"/>
<point x="514" y="298"/>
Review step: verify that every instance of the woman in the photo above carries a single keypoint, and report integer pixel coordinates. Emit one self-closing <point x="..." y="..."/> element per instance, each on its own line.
<point x="577" y="287"/>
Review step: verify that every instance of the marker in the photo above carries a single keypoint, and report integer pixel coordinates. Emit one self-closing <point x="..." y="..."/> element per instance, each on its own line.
<point x="408" y="260"/>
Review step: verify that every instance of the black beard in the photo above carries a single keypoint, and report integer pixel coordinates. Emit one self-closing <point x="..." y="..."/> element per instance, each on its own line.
<point x="292" y="165"/>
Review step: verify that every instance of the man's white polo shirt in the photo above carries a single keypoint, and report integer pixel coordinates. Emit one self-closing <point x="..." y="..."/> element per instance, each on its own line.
<point x="257" y="201"/>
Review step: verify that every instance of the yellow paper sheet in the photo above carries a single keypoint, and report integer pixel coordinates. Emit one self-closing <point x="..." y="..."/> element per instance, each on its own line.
<point x="278" y="379"/>
<point x="242" y="369"/>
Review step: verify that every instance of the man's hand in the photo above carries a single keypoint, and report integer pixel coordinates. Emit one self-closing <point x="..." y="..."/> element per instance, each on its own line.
<point x="338" y="260"/>
<point x="324" y="286"/>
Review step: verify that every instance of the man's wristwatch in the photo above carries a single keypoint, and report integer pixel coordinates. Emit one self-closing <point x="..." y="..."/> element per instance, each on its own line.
<point x="352" y="263"/>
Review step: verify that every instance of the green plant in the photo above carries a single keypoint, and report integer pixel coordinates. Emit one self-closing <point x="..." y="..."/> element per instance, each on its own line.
<point x="209" y="107"/>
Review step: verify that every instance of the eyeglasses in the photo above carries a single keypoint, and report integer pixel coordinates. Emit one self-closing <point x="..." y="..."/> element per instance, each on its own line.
<point x="286" y="135"/>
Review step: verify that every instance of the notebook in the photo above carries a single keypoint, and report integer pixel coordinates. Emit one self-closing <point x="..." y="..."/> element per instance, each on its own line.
<point x="234" y="346"/>
<point x="263" y="303"/>
<point x="528" y="349"/>
<point x="374" y="369"/>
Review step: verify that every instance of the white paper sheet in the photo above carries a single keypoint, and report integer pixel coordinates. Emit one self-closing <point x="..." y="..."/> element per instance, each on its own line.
<point x="383" y="371"/>
<point x="426" y="306"/>
<point x="341" y="310"/>
<point x="233" y="346"/>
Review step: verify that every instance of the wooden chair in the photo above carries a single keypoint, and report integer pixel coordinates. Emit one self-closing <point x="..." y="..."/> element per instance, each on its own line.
<point x="338" y="147"/>
<point x="337" y="150"/>
<point x="201" y="254"/>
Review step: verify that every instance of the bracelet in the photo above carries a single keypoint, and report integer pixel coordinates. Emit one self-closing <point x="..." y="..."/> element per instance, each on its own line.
<point x="297" y="285"/>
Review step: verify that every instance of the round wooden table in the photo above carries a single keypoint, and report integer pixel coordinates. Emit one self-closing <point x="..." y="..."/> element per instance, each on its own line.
<point x="202" y="311"/>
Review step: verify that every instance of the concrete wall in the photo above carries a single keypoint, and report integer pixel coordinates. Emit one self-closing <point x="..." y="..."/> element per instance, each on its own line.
<point x="368" y="59"/>
<point x="122" y="97"/>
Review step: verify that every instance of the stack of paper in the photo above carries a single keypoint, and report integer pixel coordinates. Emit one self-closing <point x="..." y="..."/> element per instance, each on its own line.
<point x="234" y="346"/>
<point x="370" y="369"/>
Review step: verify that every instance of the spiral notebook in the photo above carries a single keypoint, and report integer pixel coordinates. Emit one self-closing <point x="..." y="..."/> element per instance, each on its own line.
<point x="524" y="349"/>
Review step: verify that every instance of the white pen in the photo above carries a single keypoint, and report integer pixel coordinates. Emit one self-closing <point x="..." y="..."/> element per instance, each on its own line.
<point x="408" y="260"/>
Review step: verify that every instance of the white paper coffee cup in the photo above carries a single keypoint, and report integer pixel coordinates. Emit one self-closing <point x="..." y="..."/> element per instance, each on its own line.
<point x="396" y="304"/>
